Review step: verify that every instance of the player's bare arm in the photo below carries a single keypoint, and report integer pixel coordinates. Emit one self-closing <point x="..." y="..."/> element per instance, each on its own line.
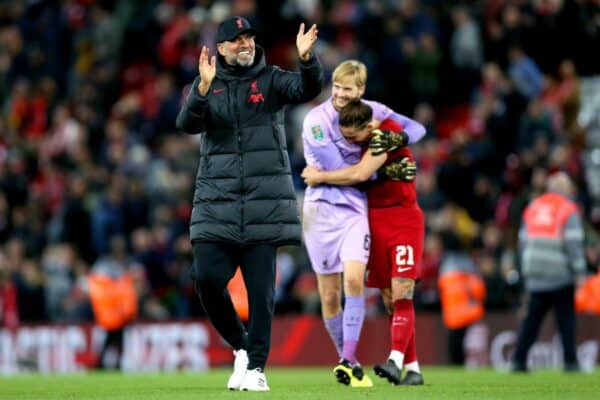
<point x="353" y="175"/>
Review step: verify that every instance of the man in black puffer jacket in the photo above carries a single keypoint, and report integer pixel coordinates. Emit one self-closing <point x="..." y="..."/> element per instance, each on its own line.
<point x="244" y="202"/>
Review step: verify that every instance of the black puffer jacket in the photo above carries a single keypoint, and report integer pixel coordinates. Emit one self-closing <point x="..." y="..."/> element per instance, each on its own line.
<point x="244" y="192"/>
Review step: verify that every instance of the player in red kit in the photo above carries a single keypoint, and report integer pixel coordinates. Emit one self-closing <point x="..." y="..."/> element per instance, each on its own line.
<point x="397" y="227"/>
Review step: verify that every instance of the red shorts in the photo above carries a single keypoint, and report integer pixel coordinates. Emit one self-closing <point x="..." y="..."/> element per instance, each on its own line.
<point x="397" y="236"/>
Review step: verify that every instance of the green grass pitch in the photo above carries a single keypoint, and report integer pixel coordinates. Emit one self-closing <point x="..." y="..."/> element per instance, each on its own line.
<point x="303" y="384"/>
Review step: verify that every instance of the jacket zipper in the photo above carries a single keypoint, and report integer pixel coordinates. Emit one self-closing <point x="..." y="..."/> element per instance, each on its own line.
<point x="236" y="114"/>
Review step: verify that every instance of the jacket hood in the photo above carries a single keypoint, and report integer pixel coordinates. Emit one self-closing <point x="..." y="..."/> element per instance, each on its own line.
<point x="230" y="72"/>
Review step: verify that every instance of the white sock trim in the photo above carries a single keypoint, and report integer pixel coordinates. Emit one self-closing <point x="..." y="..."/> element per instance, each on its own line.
<point x="397" y="357"/>
<point x="413" y="366"/>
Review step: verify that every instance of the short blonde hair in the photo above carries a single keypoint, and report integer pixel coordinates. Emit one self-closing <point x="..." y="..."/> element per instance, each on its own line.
<point x="351" y="71"/>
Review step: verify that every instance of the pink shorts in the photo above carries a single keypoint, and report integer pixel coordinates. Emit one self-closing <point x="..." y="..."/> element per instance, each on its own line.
<point x="334" y="234"/>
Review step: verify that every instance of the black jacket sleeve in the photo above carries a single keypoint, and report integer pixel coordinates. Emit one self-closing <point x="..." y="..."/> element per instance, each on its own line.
<point x="192" y="116"/>
<point x="294" y="87"/>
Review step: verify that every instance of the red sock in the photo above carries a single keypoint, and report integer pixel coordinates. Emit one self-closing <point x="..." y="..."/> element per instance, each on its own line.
<point x="411" y="349"/>
<point x="402" y="324"/>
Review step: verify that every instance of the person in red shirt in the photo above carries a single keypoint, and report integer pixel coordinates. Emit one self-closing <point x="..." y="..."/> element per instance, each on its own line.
<point x="9" y="309"/>
<point x="397" y="227"/>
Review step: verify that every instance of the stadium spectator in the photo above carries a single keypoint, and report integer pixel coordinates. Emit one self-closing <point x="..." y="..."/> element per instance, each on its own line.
<point x="74" y="220"/>
<point x="524" y="73"/>
<point x="423" y="59"/>
<point x="58" y="264"/>
<point x="497" y="269"/>
<point x="466" y="51"/>
<point x="9" y="311"/>
<point x="5" y="223"/>
<point x="30" y="292"/>
<point x="552" y="258"/>
<point x="241" y="221"/>
<point x="535" y="125"/>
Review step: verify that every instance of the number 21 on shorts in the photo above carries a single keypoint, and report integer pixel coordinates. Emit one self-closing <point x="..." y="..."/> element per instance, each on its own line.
<point x="404" y="256"/>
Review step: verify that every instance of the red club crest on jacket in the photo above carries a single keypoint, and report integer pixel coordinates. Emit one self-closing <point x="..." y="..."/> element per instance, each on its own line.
<point x="255" y="95"/>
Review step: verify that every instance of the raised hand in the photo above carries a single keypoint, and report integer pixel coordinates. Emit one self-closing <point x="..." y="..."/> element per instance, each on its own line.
<point x="207" y="68"/>
<point x="306" y="41"/>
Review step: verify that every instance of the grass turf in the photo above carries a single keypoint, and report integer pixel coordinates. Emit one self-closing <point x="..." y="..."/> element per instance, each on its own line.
<point x="303" y="384"/>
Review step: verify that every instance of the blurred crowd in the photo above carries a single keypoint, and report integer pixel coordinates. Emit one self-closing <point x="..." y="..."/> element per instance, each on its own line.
<point x="92" y="170"/>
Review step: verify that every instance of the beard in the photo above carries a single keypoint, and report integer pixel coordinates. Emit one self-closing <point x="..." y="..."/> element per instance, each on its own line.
<point x="245" y="62"/>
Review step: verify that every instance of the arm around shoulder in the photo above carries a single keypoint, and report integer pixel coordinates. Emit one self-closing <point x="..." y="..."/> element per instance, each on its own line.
<point x="414" y="129"/>
<point x="355" y="174"/>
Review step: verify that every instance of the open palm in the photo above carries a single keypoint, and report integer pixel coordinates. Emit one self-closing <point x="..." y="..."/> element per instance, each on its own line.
<point x="207" y="67"/>
<point x="306" y="41"/>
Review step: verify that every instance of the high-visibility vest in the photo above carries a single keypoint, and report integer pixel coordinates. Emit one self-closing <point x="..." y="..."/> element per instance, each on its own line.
<point x="587" y="297"/>
<point x="546" y="216"/>
<point x="462" y="296"/>
<point x="114" y="300"/>
<point x="545" y="262"/>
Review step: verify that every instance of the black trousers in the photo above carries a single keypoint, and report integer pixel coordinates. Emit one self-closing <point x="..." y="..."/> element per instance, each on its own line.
<point x="113" y="339"/>
<point x="214" y="265"/>
<point x="563" y="303"/>
<point x="456" y="343"/>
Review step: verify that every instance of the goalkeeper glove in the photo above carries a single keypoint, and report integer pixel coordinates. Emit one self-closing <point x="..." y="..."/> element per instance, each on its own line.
<point x="404" y="169"/>
<point x="384" y="141"/>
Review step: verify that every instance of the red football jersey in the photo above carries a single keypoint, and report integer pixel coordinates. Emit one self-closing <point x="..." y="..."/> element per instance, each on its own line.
<point x="386" y="192"/>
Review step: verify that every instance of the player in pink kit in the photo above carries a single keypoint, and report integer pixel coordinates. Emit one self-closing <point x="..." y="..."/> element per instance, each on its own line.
<point x="397" y="228"/>
<point x="335" y="224"/>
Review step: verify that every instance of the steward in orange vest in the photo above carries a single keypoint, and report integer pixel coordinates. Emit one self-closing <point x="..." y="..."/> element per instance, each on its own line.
<point x="462" y="294"/>
<point x="114" y="300"/>
<point x="587" y="297"/>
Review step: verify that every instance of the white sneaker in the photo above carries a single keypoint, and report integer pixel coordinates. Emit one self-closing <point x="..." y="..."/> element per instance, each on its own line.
<point x="255" y="381"/>
<point x="239" y="370"/>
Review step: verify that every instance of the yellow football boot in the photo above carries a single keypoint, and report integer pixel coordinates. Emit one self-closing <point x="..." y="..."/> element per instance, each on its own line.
<point x="351" y="376"/>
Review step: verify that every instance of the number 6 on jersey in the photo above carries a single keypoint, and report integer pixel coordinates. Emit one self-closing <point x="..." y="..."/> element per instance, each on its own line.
<point x="404" y="256"/>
